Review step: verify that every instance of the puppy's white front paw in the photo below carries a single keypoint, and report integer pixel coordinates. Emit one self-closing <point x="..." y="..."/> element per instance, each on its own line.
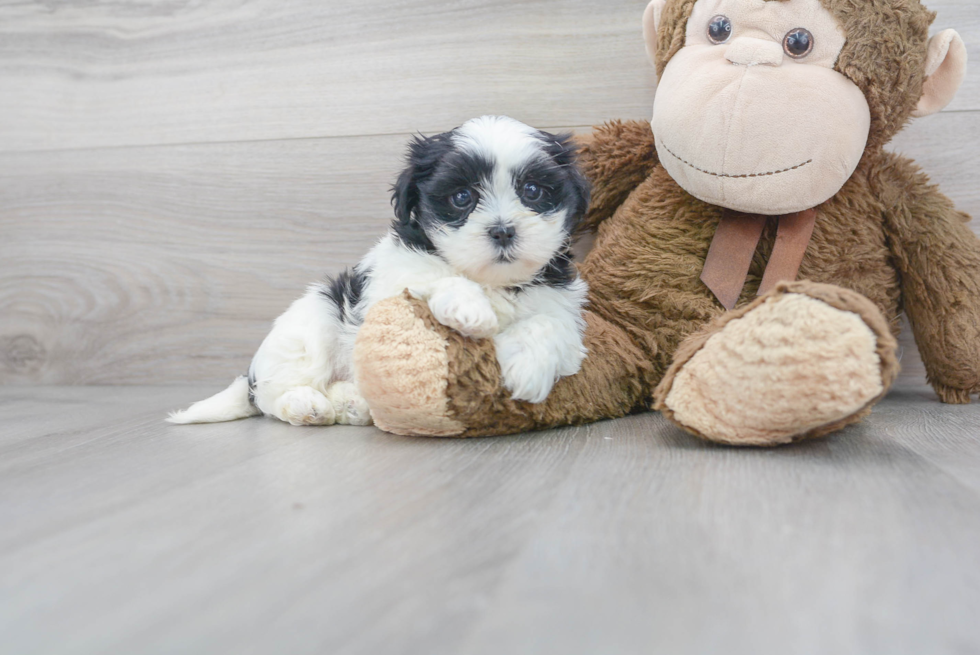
<point x="527" y="370"/>
<point x="534" y="353"/>
<point x="527" y="382"/>
<point x="464" y="307"/>
<point x="305" y="406"/>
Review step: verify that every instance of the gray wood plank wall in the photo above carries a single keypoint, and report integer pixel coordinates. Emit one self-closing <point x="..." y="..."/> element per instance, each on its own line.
<point x="173" y="173"/>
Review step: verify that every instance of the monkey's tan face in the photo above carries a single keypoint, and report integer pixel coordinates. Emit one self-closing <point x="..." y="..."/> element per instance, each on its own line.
<point x="750" y="113"/>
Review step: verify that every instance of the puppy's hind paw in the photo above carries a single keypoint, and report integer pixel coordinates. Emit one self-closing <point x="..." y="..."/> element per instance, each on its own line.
<point x="305" y="406"/>
<point x="350" y="408"/>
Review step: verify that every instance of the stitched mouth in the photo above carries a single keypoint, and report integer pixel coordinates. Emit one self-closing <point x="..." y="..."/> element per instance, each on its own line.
<point x="701" y="170"/>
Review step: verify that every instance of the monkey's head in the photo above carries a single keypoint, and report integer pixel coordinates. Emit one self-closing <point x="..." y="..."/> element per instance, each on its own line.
<point x="768" y="106"/>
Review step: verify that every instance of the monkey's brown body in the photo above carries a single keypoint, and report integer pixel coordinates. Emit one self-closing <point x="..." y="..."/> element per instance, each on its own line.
<point x="804" y="360"/>
<point x="886" y="227"/>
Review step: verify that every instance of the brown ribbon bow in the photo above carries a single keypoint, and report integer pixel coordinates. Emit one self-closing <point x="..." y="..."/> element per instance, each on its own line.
<point x="734" y="244"/>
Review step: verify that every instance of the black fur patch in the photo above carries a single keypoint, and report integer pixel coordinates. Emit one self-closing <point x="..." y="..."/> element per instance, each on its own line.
<point x="345" y="292"/>
<point x="570" y="188"/>
<point x="424" y="154"/>
<point x="559" y="272"/>
<point x="413" y="236"/>
<point x="458" y="170"/>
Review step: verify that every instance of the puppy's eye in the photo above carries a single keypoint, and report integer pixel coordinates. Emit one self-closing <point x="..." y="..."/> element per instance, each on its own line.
<point x="532" y="192"/>
<point x="719" y="29"/>
<point x="463" y="199"/>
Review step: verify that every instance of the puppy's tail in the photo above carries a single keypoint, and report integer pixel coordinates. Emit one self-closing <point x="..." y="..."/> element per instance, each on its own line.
<point x="228" y="405"/>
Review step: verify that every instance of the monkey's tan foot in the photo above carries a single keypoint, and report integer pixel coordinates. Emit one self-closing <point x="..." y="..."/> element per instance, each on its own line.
<point x="802" y="361"/>
<point x="422" y="378"/>
<point x="402" y="371"/>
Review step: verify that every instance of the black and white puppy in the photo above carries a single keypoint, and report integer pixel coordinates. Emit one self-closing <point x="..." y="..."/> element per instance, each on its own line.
<point x="484" y="217"/>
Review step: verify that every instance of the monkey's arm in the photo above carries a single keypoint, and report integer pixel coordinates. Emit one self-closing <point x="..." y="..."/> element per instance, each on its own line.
<point x="615" y="157"/>
<point x="939" y="260"/>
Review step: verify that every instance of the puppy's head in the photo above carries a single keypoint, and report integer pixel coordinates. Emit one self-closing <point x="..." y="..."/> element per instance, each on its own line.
<point x="494" y="198"/>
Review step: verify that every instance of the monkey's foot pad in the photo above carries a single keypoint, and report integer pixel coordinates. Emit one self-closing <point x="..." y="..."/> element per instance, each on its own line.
<point x="802" y="361"/>
<point x="402" y="370"/>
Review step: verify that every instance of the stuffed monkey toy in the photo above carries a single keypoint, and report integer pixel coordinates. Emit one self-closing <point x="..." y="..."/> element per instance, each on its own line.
<point x="754" y="249"/>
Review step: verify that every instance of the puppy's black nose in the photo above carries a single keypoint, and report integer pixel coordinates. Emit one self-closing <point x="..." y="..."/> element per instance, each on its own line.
<point x="503" y="235"/>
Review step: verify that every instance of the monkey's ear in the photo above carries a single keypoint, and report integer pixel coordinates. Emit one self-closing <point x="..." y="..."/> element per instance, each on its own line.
<point x="651" y="20"/>
<point x="945" y="70"/>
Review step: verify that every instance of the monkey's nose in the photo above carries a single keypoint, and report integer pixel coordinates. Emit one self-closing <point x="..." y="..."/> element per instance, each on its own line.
<point x="502" y="235"/>
<point x="748" y="51"/>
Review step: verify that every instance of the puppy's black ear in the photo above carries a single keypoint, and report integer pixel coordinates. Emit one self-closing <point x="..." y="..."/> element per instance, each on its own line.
<point x="564" y="151"/>
<point x="405" y="196"/>
<point x="424" y="153"/>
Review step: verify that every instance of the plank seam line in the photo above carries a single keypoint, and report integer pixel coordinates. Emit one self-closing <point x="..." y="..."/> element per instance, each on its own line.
<point x="185" y="144"/>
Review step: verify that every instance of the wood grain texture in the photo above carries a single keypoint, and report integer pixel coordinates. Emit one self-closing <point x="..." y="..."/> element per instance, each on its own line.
<point x="111" y="73"/>
<point x="120" y="265"/>
<point x="108" y="73"/>
<point x="123" y="534"/>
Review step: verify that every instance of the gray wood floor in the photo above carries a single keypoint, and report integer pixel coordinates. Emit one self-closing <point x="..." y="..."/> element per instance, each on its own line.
<point x="122" y="534"/>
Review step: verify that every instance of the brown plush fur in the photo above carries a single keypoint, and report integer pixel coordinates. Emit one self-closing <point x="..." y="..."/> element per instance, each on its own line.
<point x="644" y="270"/>
<point x="614" y="380"/>
<point x="938" y="258"/>
<point x="627" y="157"/>
<point x="888" y="235"/>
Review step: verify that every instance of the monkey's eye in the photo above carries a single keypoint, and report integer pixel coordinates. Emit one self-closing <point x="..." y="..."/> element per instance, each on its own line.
<point x="719" y="29"/>
<point x="463" y="199"/>
<point x="798" y="43"/>
<point x="532" y="192"/>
